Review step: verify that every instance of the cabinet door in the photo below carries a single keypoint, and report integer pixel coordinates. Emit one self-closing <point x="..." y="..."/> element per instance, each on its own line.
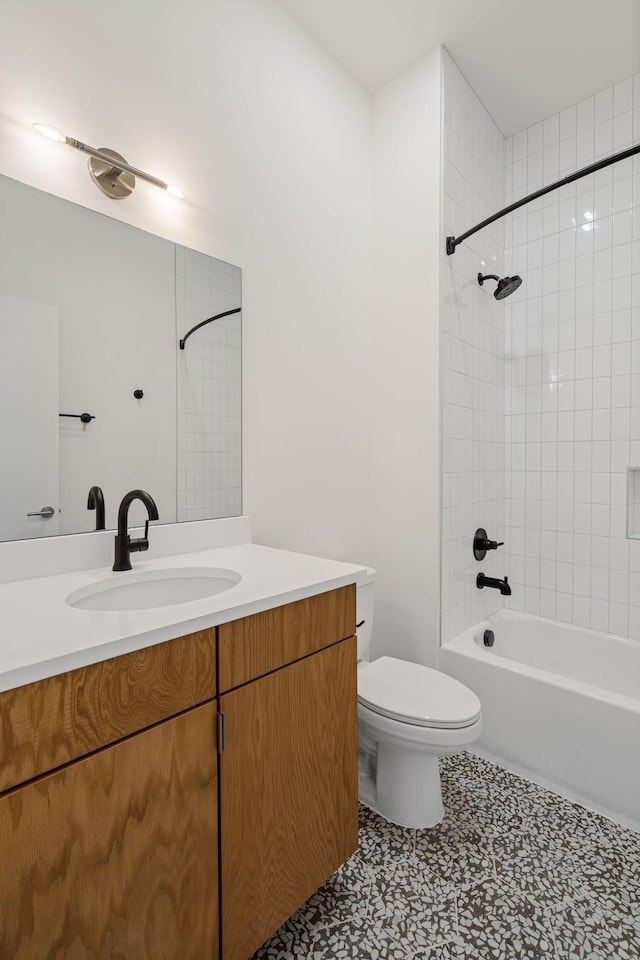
<point x="114" y="857"/>
<point x="288" y="792"/>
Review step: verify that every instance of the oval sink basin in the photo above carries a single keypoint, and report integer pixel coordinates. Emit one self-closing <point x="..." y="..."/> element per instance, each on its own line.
<point x="153" y="588"/>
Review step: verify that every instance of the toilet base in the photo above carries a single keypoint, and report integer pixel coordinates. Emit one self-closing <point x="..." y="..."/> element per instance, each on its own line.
<point x="398" y="766"/>
<point x="367" y="797"/>
<point x="405" y="788"/>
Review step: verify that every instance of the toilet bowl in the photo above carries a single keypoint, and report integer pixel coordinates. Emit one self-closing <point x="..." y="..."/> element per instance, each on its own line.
<point x="408" y="716"/>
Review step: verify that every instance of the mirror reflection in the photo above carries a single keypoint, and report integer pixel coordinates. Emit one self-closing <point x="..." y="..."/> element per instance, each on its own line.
<point x="94" y="390"/>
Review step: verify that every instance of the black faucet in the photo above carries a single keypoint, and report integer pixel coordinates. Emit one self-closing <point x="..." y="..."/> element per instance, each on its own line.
<point x="124" y="544"/>
<point x="501" y="585"/>
<point x="95" y="501"/>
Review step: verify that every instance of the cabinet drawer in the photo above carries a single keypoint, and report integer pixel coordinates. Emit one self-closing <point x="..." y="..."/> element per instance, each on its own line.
<point x="256" y="645"/>
<point x="48" y="723"/>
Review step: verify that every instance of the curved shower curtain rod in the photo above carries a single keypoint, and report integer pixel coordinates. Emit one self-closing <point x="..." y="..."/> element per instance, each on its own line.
<point x="203" y="323"/>
<point x="452" y="242"/>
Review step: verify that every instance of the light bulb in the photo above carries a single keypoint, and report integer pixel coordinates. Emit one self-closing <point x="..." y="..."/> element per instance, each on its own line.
<point x="175" y="191"/>
<point x="48" y="131"/>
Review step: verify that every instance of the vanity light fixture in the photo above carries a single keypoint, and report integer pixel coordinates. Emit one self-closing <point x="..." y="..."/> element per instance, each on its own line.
<point x="109" y="170"/>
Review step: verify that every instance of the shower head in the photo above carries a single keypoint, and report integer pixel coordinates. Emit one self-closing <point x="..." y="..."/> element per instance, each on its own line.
<point x="506" y="285"/>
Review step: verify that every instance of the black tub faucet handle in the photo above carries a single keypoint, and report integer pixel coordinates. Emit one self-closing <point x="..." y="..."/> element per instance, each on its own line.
<point x="481" y="544"/>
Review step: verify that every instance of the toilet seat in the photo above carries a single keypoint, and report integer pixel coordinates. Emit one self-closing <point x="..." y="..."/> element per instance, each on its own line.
<point x="414" y="694"/>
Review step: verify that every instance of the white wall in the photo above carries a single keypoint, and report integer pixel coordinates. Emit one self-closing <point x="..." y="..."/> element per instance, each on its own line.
<point x="473" y="365"/>
<point x="270" y="139"/>
<point x="574" y="367"/>
<point x="567" y="361"/>
<point x="405" y="473"/>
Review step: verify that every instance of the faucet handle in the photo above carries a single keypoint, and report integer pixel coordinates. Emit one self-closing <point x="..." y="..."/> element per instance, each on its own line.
<point x="124" y="545"/>
<point x="482" y="544"/>
<point x="140" y="543"/>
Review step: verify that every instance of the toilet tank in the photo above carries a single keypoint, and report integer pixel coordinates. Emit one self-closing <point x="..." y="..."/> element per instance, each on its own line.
<point x="364" y="612"/>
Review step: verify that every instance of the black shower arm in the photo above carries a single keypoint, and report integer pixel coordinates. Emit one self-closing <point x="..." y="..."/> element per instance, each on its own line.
<point x="452" y="242"/>
<point x="203" y="323"/>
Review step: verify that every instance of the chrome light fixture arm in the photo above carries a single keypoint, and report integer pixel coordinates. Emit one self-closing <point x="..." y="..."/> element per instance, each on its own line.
<point x="118" y="166"/>
<point x="109" y="170"/>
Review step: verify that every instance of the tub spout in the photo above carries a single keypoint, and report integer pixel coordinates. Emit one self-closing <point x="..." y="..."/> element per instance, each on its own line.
<point x="501" y="585"/>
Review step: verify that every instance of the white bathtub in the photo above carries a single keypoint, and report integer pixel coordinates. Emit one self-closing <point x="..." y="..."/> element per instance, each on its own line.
<point x="559" y="703"/>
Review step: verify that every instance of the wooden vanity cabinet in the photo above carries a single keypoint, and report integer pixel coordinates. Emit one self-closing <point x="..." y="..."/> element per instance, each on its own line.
<point x="108" y="819"/>
<point x="111" y="839"/>
<point x="289" y="767"/>
<point x="115" y="855"/>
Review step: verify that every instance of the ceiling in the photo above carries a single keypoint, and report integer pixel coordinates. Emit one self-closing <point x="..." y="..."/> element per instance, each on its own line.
<point x="525" y="60"/>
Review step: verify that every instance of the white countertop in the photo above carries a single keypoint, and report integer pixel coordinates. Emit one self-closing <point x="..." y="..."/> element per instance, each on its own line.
<point x="41" y="635"/>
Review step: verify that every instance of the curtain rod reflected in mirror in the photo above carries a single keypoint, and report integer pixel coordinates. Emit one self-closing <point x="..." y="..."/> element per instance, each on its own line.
<point x="218" y="316"/>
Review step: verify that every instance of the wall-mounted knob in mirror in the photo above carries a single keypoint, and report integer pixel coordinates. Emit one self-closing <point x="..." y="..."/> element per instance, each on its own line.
<point x="45" y="512"/>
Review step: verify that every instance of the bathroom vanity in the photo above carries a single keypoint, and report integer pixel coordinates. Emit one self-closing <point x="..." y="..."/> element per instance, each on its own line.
<point x="178" y="767"/>
<point x="182" y="799"/>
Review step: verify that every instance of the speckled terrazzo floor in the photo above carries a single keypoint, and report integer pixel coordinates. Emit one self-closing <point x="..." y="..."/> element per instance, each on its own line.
<point x="513" y="872"/>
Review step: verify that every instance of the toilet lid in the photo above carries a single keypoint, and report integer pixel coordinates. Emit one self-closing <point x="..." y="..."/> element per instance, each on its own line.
<point x="413" y="693"/>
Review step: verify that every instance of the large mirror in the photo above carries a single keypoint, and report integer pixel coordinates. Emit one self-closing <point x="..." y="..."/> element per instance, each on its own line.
<point x="91" y="314"/>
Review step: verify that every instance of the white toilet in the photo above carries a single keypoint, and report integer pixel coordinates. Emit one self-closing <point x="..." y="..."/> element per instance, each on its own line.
<point x="408" y="716"/>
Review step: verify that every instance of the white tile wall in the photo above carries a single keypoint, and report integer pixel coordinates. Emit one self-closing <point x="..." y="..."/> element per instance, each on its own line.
<point x="573" y="365"/>
<point x="209" y="389"/>
<point x="473" y="365"/>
